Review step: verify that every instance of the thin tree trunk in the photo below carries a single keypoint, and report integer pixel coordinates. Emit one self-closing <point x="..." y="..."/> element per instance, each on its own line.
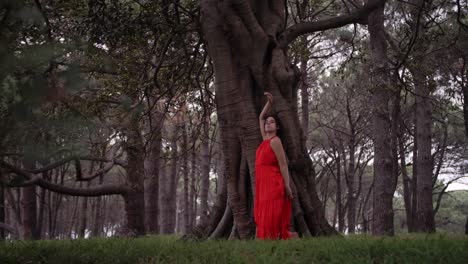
<point x="339" y="204"/>
<point x="42" y="206"/>
<point x="352" y="193"/>
<point x="304" y="93"/>
<point x="193" y="190"/>
<point x="466" y="226"/>
<point x="2" y="207"/>
<point x="185" y="166"/>
<point x="29" y="203"/>
<point x="205" y="171"/>
<point x="83" y="217"/>
<point x="406" y="181"/>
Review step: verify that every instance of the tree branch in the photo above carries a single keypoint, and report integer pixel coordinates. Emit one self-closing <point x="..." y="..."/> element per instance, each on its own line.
<point x="109" y="189"/>
<point x="358" y="16"/>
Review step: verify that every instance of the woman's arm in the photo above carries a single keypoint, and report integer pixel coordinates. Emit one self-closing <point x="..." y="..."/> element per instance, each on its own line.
<point x="261" y="118"/>
<point x="277" y="148"/>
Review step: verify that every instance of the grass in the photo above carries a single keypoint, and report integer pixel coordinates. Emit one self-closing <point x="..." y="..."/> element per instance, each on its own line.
<point x="438" y="248"/>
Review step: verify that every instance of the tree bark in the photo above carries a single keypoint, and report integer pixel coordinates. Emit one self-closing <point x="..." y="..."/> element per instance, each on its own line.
<point x="134" y="198"/>
<point x="153" y="165"/>
<point x="425" y="214"/>
<point x="384" y="183"/>
<point x="29" y="203"/>
<point x="304" y="92"/>
<point x="350" y="176"/>
<point x="2" y="207"/>
<point x="248" y="45"/>
<point x="407" y="194"/>
<point x="242" y="74"/>
<point x="169" y="191"/>
<point x="205" y="171"/>
<point x="424" y="161"/>
<point x="339" y="204"/>
<point x="185" y="172"/>
<point x="193" y="190"/>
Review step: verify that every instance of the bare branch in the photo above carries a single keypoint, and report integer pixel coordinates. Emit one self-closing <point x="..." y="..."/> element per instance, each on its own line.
<point x="90" y="191"/>
<point x="358" y="16"/>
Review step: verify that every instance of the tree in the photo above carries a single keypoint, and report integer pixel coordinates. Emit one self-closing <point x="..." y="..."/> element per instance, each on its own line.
<point x="250" y="57"/>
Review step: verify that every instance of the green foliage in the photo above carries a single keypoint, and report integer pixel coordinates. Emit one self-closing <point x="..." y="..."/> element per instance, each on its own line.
<point x="453" y="212"/>
<point x="168" y="249"/>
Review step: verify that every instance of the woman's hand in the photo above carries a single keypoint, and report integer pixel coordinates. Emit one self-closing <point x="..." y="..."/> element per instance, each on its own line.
<point x="289" y="192"/>
<point x="269" y="96"/>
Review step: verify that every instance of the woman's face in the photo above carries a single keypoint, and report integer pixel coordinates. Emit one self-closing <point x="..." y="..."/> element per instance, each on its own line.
<point x="270" y="124"/>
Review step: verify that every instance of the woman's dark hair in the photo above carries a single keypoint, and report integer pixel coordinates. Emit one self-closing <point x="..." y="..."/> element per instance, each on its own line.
<point x="279" y="131"/>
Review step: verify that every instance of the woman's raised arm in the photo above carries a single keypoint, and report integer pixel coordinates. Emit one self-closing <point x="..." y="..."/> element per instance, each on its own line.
<point x="261" y="118"/>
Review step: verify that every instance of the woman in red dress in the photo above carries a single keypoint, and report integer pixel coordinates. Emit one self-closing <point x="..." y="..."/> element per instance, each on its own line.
<point x="272" y="206"/>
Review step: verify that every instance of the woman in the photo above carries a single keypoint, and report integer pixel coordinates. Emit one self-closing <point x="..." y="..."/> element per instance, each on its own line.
<point x="272" y="208"/>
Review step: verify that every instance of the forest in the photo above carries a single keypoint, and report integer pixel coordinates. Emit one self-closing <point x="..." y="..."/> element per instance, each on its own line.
<point x="127" y="118"/>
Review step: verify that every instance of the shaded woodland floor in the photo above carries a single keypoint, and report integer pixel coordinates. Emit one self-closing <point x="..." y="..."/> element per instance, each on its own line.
<point x="437" y="248"/>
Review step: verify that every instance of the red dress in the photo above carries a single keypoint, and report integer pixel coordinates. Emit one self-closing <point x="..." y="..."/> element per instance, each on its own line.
<point x="272" y="207"/>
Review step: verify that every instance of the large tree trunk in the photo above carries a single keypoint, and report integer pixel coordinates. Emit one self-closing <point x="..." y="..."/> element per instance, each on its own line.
<point x="153" y="166"/>
<point x="384" y="183"/>
<point x="169" y="190"/>
<point x="425" y="213"/>
<point x="134" y="198"/>
<point x="423" y="113"/>
<point x="247" y="62"/>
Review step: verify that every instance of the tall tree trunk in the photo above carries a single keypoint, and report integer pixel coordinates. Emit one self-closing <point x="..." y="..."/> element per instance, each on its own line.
<point x="352" y="192"/>
<point x="98" y="215"/>
<point x="193" y="189"/>
<point x="405" y="178"/>
<point x="29" y="203"/>
<point x="465" y="101"/>
<point x="153" y="166"/>
<point x="134" y="198"/>
<point x="304" y="92"/>
<point x="42" y="207"/>
<point x="339" y="204"/>
<point x="424" y="161"/>
<point x="169" y="189"/>
<point x="185" y="172"/>
<point x="205" y="171"/>
<point x="384" y="186"/>
<point x="83" y="217"/>
<point x="425" y="214"/>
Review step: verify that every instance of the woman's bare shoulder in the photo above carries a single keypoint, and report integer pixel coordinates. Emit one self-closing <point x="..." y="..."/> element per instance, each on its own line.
<point x="275" y="142"/>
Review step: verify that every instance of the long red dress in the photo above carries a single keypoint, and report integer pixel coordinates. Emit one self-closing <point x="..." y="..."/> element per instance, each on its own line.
<point x="272" y="207"/>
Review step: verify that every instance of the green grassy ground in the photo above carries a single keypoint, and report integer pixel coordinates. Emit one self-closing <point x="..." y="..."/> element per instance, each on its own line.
<point x="439" y="248"/>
